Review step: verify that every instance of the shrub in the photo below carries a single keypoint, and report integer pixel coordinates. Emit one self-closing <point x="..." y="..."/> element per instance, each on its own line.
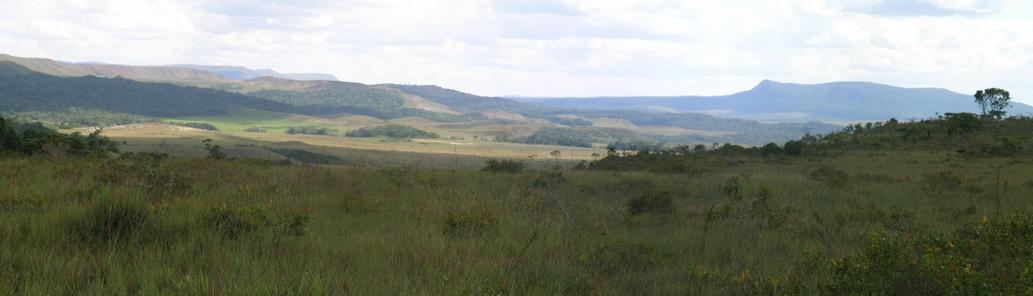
<point x="968" y="262"/>
<point x="504" y="166"/>
<point x="233" y="223"/>
<point x="113" y="220"/>
<point x="254" y="130"/>
<point x="549" y="179"/>
<point x="829" y="175"/>
<point x="462" y="224"/>
<point x="945" y="180"/>
<point x="732" y="189"/>
<point x="651" y="202"/>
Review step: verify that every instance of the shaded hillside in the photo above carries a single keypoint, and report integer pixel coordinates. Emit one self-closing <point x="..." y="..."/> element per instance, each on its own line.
<point x="141" y="73"/>
<point x="790" y="101"/>
<point x="242" y="73"/>
<point x="24" y="90"/>
<point x="335" y="97"/>
<point x="464" y="102"/>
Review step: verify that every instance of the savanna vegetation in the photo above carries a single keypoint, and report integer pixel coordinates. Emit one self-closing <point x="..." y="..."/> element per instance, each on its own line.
<point x="932" y="207"/>
<point x="392" y="131"/>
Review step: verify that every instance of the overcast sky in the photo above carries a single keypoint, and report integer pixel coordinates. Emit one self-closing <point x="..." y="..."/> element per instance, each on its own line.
<point x="553" y="48"/>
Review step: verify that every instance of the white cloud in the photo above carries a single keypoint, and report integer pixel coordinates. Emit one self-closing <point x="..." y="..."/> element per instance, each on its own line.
<point x="543" y="47"/>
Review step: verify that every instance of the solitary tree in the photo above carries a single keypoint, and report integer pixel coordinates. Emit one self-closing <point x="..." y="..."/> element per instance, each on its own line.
<point x="992" y="102"/>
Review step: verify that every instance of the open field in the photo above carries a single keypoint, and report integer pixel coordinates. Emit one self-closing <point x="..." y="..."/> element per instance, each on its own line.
<point x="196" y="226"/>
<point x="187" y="141"/>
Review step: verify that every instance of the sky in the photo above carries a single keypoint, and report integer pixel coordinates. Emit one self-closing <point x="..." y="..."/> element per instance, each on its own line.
<point x="553" y="48"/>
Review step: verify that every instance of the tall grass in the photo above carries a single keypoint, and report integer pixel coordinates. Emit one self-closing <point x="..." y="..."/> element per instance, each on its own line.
<point x="141" y="225"/>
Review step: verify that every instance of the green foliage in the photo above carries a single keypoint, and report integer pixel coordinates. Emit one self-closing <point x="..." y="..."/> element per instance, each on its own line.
<point x="651" y="202"/>
<point x="232" y="223"/>
<point x="39" y="92"/>
<point x="468" y="223"/>
<point x="504" y="166"/>
<point x="254" y="130"/>
<point x="311" y="130"/>
<point x="214" y="151"/>
<point x="306" y="156"/>
<point x="968" y="262"/>
<point x="558" y="136"/>
<point x="73" y="117"/>
<point x="829" y="175"/>
<point x="392" y="131"/>
<point x="113" y="220"/>
<point x="992" y="102"/>
<point x="28" y="139"/>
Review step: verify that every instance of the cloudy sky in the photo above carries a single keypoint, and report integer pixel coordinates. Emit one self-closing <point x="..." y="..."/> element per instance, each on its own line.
<point x="553" y="48"/>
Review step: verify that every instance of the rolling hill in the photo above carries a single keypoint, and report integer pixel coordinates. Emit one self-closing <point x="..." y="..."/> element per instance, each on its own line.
<point x="192" y="92"/>
<point x="140" y="73"/>
<point x="770" y="100"/>
<point x="22" y="89"/>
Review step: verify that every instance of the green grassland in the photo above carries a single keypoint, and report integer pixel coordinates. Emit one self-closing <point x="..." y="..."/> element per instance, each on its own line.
<point x="197" y="226"/>
<point x="935" y="207"/>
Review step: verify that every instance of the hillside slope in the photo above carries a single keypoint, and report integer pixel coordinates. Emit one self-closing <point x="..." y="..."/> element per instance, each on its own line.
<point x="140" y="73"/>
<point x="22" y="89"/>
<point x="770" y="100"/>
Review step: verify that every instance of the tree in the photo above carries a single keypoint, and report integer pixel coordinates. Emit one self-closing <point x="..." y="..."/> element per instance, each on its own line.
<point x="992" y="102"/>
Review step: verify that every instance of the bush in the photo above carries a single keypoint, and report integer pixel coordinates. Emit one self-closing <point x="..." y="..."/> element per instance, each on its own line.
<point x="234" y="223"/>
<point x="651" y="202"/>
<point x="969" y="262"/>
<point x="504" y="166"/>
<point x="254" y="130"/>
<point x="462" y="224"/>
<point x="829" y="175"/>
<point x="113" y="220"/>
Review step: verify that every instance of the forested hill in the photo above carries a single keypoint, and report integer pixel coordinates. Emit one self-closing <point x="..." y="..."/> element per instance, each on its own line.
<point x="22" y="89"/>
<point x="463" y="102"/>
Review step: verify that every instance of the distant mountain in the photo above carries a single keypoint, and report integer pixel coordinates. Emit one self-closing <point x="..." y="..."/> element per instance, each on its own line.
<point x="242" y="73"/>
<point x="22" y="89"/>
<point x="140" y="73"/>
<point x="770" y="100"/>
<point x="41" y="85"/>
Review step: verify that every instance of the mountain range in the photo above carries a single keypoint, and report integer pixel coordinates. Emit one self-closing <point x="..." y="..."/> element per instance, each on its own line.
<point x="778" y="101"/>
<point x="36" y="84"/>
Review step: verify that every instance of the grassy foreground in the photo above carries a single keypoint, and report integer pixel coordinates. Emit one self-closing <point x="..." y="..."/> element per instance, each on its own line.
<point x="145" y="225"/>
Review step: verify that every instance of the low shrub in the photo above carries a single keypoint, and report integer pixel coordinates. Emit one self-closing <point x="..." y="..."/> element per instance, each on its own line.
<point x="462" y="224"/>
<point x="651" y="202"/>
<point x="504" y="166"/>
<point x="113" y="220"/>
<point x="830" y="176"/>
<point x="232" y="223"/>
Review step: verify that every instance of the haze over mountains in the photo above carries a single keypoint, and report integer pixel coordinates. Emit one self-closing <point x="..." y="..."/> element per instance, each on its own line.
<point x="778" y="101"/>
